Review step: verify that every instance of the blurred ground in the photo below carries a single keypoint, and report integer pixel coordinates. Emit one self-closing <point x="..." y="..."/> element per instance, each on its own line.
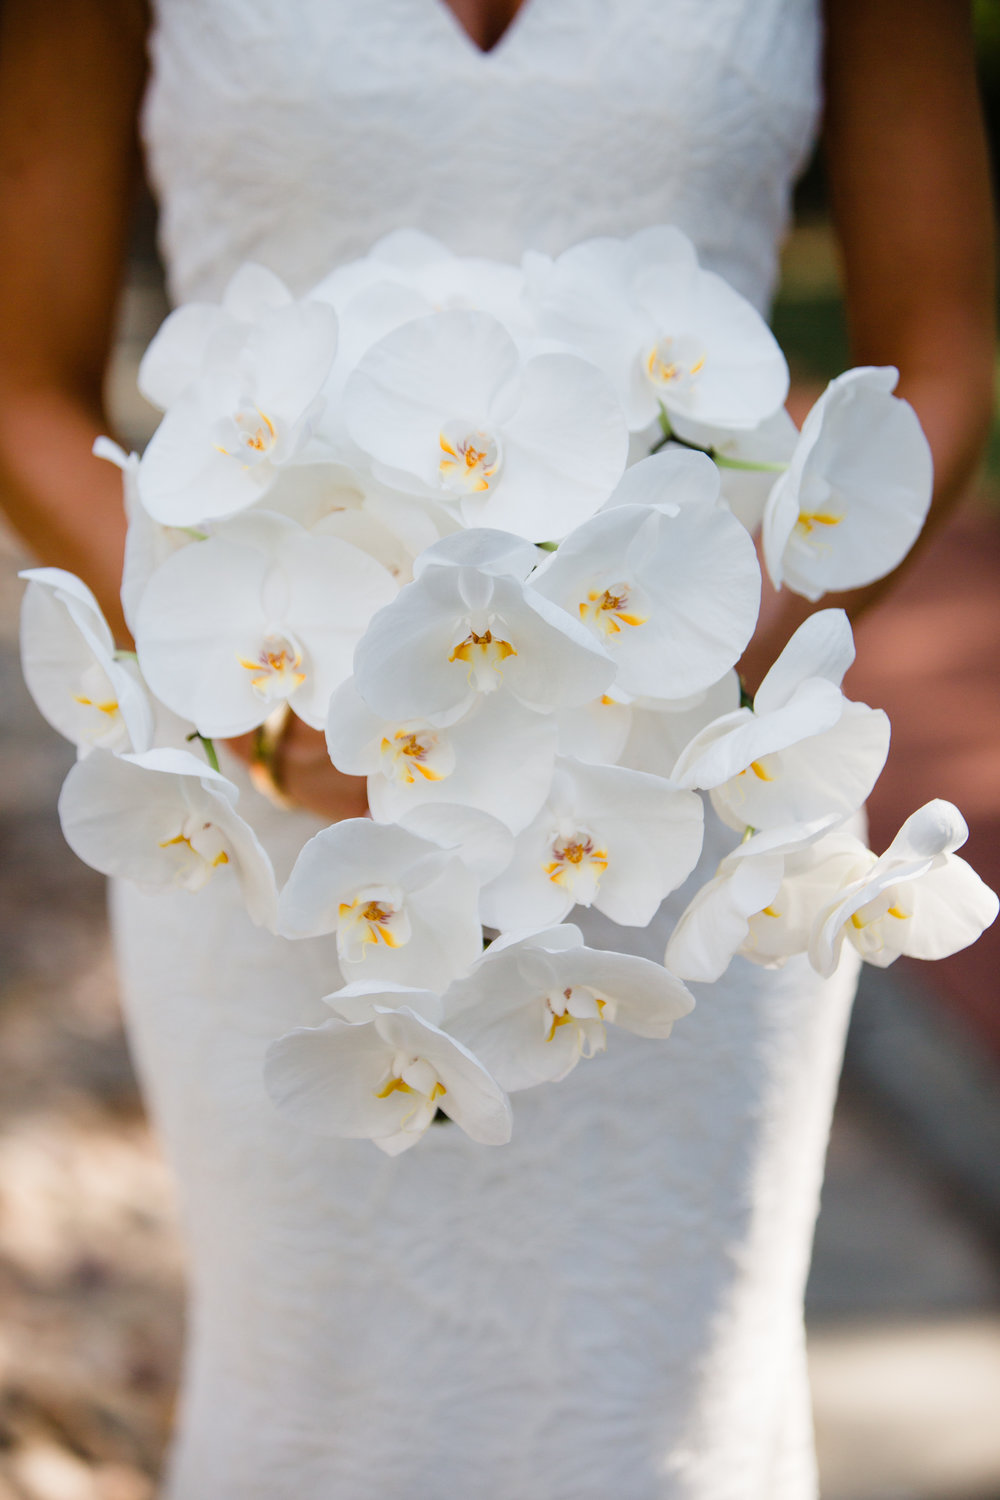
<point x="90" y="1296"/>
<point x="904" y="1301"/>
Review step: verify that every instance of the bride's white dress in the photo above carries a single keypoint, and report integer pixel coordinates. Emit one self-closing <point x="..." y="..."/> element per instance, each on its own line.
<point x="610" y="1306"/>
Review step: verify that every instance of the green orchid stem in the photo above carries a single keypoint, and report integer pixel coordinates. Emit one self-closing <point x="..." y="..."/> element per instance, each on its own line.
<point x="193" y="533"/>
<point x="208" y="747"/>
<point x="748" y="833"/>
<point x="719" y="459"/>
<point x="744" y="463"/>
<point x="547" y="546"/>
<point x="126" y="656"/>
<point x="667" y="431"/>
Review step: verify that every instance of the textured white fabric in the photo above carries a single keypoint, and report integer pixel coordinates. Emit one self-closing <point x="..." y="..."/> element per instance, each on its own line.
<point x="298" y="133"/>
<point x="611" y="1306"/>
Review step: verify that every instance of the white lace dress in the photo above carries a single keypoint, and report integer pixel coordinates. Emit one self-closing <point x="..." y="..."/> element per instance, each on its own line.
<point x="610" y="1306"/>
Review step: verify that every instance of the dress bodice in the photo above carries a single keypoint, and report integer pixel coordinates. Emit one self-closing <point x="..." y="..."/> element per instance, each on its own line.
<point x="297" y="134"/>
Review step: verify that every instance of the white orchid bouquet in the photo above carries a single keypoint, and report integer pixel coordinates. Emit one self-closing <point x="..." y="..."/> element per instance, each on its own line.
<point x="491" y="528"/>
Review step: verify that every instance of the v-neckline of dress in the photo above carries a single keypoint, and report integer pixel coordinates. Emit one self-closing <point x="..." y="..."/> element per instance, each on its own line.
<point x="468" y="42"/>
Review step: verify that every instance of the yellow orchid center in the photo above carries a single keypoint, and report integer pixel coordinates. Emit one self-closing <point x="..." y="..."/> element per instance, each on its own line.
<point x="101" y="722"/>
<point x="197" y="850"/>
<point x="413" y="1078"/>
<point x="809" y="520"/>
<point x="276" y="669"/>
<point x="675" y="363"/>
<point x="581" y="1009"/>
<point x="860" y="920"/>
<point x="109" y="707"/>
<point x="251" y="435"/>
<point x="400" y="1086"/>
<point x="484" y="655"/>
<point x="608" y="610"/>
<point x="577" y="864"/>
<point x="819" y="512"/>
<point x="470" y="459"/>
<point x="376" y="917"/>
<point x="409" y="754"/>
<point x="765" y="768"/>
<point x="871" y="927"/>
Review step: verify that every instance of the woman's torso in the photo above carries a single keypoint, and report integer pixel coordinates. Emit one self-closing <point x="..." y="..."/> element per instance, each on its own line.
<point x="612" y="1304"/>
<point x="298" y="134"/>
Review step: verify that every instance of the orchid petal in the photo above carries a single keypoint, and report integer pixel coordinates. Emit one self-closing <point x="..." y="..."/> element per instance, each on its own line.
<point x="161" y="819"/>
<point x="67" y="655"/>
<point x="822" y="646"/>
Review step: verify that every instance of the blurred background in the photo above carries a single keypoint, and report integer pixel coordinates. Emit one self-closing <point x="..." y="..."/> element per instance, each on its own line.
<point x="904" y="1299"/>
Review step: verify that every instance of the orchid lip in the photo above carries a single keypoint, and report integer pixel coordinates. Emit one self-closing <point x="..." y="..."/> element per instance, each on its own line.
<point x="416" y="1077"/>
<point x="376" y="917"/>
<point x="471" y="459"/>
<point x="674" y="363"/>
<point x="591" y="1034"/>
<point x="577" y="864"/>
<point x="868" y="919"/>
<point x="276" y="667"/>
<point x="609" y="609"/>
<point x="818" y="513"/>
<point x="484" y="655"/>
<point x="250" y="435"/>
<point x="198" y="850"/>
<point x="110" y="707"/>
<point x="411" y="752"/>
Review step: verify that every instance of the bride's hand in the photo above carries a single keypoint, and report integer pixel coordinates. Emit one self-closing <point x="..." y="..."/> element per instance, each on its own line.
<point x="306" y="775"/>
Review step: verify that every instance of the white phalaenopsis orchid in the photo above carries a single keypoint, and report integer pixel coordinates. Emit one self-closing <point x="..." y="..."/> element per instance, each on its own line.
<point x="261" y="613"/>
<point x="668" y="333"/>
<point x="487" y="525"/>
<point x="919" y="898"/>
<point x="807" y="889"/>
<point x="857" y="490"/>
<point x="164" y="819"/>
<point x="147" y="543"/>
<point x="749" y="459"/>
<point x="670" y="592"/>
<point x="503" y="554"/>
<point x="804" y="750"/>
<point x="336" y="499"/>
<point x="658" y="731"/>
<point x="458" y="632"/>
<point x="440" y="280"/>
<point x="244" y="384"/>
<point x="762" y="900"/>
<point x="532" y="1007"/>
<point x="498" y="756"/>
<point x="447" y="405"/>
<point x="403" y="908"/>
<point x="91" y="696"/>
<point x="195" y="332"/>
<point x="614" y="839"/>
<point x="408" y="275"/>
<point x="383" y="1080"/>
<point x="483" y="843"/>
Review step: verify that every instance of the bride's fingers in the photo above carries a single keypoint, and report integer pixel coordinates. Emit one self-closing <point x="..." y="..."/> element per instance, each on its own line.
<point x="305" y="775"/>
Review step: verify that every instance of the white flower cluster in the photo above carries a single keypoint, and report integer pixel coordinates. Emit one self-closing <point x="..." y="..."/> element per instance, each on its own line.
<point x="403" y="506"/>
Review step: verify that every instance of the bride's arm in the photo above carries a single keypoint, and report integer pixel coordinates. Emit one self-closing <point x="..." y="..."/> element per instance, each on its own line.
<point x="907" y="165"/>
<point x="71" y="74"/>
<point x="71" y="77"/>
